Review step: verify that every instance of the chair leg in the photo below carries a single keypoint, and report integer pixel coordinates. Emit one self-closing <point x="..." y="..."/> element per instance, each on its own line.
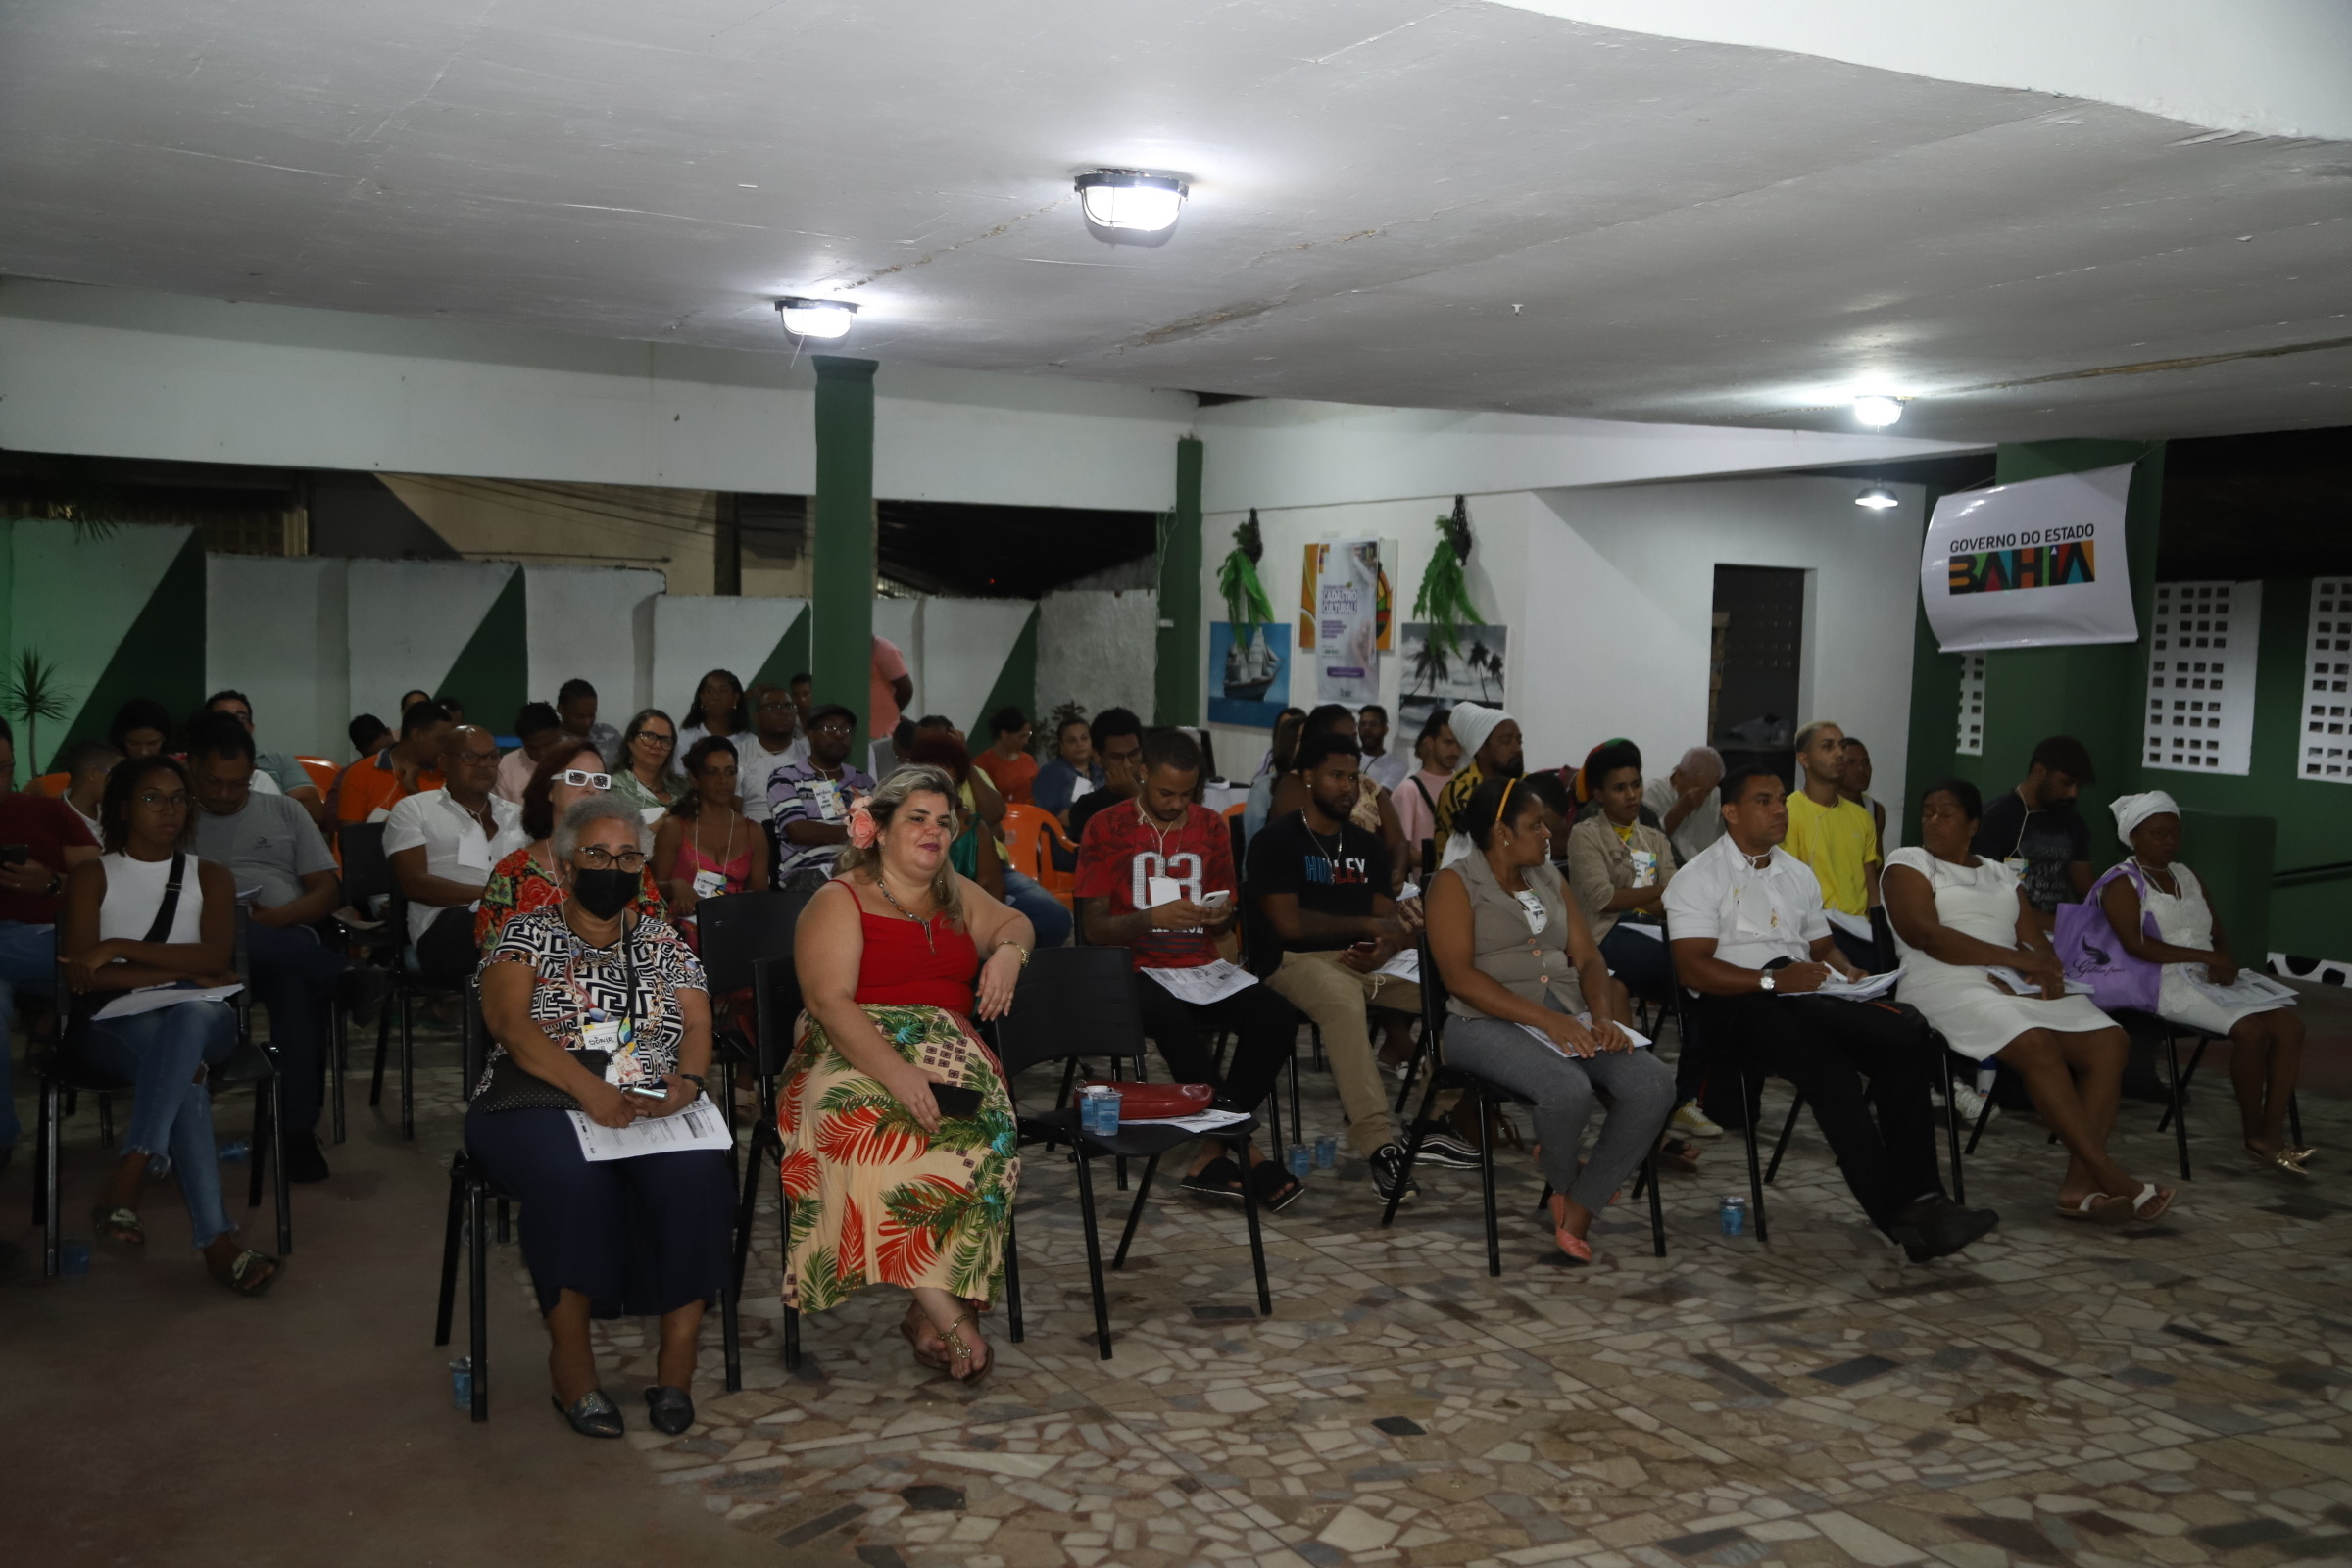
<point x="1012" y="1279"/>
<point x="1951" y="1125"/>
<point x="1486" y="1186"/>
<point x="407" y="1067"/>
<point x="1657" y="1207"/>
<point x="1780" y="1145"/>
<point x="383" y="1048"/>
<point x="499" y="1225"/>
<point x="41" y="1134"/>
<point x="282" y="1189"/>
<point x="1257" y="1242"/>
<point x="1093" y="1256"/>
<point x="450" y="1238"/>
<point x="1413" y="1071"/>
<point x="2295" y="1119"/>
<point x="2187" y="1075"/>
<point x="792" y="1315"/>
<point x="259" y="1144"/>
<point x="339" y="1060"/>
<point x="477" y="1267"/>
<point x="106" y="1120"/>
<point x="1413" y="1151"/>
<point x="747" y="1208"/>
<point x="1298" y="1117"/>
<point x="1752" y="1092"/>
<point x="730" y="1339"/>
<point x="1983" y="1117"/>
<point x="1135" y="1211"/>
<point x="53" y="1117"/>
<point x="2179" y="1113"/>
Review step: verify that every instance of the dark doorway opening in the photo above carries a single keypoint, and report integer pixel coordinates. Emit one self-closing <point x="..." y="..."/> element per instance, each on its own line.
<point x="1759" y="638"/>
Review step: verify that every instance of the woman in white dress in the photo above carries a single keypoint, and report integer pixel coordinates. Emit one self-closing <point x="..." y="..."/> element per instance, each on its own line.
<point x="1956" y="917"/>
<point x="2203" y="988"/>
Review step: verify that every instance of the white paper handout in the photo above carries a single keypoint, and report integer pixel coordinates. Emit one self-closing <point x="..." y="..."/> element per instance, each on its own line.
<point x="1204" y="983"/>
<point x="2250" y="989"/>
<point x="1853" y="925"/>
<point x="147" y="999"/>
<point x="1586" y="1019"/>
<point x="2024" y="985"/>
<point x="698" y="1126"/>
<point x="1406" y="965"/>
<point x="1867" y="988"/>
<point x="1654" y="933"/>
<point x="1208" y="1121"/>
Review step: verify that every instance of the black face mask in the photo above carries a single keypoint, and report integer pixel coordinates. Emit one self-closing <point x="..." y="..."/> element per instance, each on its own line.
<point x="604" y="894"/>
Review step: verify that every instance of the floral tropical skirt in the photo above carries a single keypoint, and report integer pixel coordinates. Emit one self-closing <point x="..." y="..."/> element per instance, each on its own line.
<point x="875" y="1200"/>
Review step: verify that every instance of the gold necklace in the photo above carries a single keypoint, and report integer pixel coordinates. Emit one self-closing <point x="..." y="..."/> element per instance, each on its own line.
<point x="883" y="883"/>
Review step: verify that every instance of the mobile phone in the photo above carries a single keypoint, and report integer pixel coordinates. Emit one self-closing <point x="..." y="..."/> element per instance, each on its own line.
<point x="650" y="1094"/>
<point x="1217" y="899"/>
<point x="955" y="1100"/>
<point x="15" y="854"/>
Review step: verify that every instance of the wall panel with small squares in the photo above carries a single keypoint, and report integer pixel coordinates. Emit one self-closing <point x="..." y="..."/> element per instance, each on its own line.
<point x="2326" y="749"/>
<point x="2202" y="642"/>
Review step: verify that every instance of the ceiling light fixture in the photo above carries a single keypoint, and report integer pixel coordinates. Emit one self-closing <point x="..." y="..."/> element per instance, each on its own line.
<point x="1877" y="498"/>
<point x="1878" y="410"/>
<point x="804" y="317"/>
<point x="1130" y="199"/>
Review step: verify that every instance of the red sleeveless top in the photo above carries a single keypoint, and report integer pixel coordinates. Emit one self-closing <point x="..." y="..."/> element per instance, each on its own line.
<point x="901" y="969"/>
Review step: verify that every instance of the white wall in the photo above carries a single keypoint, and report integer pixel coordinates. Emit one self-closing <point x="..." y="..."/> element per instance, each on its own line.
<point x="1099" y="648"/>
<point x="276" y="630"/>
<point x="695" y="634"/>
<point x="409" y="620"/>
<point x="584" y="623"/>
<point x="965" y="643"/>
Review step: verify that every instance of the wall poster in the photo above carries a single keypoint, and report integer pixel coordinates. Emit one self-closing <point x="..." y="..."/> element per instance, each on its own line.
<point x="1248" y="676"/>
<point x="2035" y="565"/>
<point x="1436" y="676"/>
<point x="1344" y="608"/>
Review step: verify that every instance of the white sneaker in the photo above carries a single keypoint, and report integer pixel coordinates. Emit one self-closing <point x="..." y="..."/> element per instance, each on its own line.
<point x="1689" y="1118"/>
<point x="1970" y="1103"/>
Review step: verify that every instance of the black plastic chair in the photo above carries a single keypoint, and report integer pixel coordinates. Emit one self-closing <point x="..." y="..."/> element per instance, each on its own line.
<point x="776" y="1008"/>
<point x="1080" y="1002"/>
<point x="367" y="875"/>
<point x="2176" y="1115"/>
<point x="1488" y="1096"/>
<point x="471" y="1193"/>
<point x="1951" y="1131"/>
<point x="737" y="930"/>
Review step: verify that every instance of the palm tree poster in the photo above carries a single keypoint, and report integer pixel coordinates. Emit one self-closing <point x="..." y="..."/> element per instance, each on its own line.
<point x="1437" y="676"/>
<point x="1249" y="677"/>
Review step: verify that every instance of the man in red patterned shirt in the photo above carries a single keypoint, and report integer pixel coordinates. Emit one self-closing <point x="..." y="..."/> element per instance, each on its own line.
<point x="1155" y="876"/>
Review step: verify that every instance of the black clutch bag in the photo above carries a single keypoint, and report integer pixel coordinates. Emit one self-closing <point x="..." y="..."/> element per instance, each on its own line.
<point x="512" y="1087"/>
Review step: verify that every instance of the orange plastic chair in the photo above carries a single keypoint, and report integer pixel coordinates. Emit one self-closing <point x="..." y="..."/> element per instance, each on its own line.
<point x="323" y="773"/>
<point x="54" y="785"/>
<point x="1029" y="831"/>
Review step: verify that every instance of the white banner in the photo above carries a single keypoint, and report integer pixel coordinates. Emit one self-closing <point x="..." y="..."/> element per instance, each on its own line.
<point x="2037" y="565"/>
<point x="1348" y="622"/>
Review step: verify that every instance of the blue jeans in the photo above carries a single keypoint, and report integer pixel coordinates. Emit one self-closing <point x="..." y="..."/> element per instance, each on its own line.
<point x="171" y="1110"/>
<point x="1047" y="916"/>
<point x="27" y="964"/>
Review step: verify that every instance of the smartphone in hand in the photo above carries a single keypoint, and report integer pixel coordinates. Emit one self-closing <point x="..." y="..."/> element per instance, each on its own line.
<point x="955" y="1100"/>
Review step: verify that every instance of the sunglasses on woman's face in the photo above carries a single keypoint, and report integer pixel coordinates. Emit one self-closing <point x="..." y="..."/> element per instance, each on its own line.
<point x="580" y="779"/>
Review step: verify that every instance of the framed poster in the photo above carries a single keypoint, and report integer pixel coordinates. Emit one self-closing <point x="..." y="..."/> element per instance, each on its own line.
<point x="2035" y="565"/>
<point x="1248" y="676"/>
<point x="1436" y="676"/>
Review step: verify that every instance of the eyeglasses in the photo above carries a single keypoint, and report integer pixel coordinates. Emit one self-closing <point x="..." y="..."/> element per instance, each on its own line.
<point x="775" y="703"/>
<point x="655" y="737"/>
<point x="599" y="859"/>
<point x="830" y="726"/>
<point x="581" y="779"/>
<point x="155" y="801"/>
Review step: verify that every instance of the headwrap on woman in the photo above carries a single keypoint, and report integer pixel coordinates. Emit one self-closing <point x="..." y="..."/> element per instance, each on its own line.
<point x="2132" y="810"/>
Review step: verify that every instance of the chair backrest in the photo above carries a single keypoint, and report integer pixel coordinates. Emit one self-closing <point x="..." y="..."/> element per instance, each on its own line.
<point x="1023" y="831"/>
<point x="53" y="785"/>
<point x="367" y="869"/>
<point x="473" y="1038"/>
<point x="323" y="773"/>
<point x="776" y="1006"/>
<point x="1072" y="1002"/>
<point x="740" y="927"/>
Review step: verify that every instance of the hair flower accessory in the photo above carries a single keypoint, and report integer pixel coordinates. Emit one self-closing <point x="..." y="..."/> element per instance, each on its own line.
<point x="864" y="829"/>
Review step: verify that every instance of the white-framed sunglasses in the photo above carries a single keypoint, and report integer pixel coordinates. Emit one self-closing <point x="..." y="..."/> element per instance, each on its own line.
<point x="580" y="779"/>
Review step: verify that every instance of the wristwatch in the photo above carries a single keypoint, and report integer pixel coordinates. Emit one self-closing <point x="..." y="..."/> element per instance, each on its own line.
<point x="1764" y="980"/>
<point x="692" y="1078"/>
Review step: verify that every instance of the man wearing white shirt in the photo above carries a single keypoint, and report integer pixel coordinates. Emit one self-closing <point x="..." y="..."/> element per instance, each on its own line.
<point x="772" y="746"/>
<point x="1751" y="939"/>
<point x="441" y="844"/>
<point x="85" y="765"/>
<point x="1386" y="768"/>
<point x="1687" y="803"/>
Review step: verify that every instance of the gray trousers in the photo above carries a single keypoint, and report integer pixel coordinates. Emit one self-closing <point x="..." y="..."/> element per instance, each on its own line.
<point x="1641" y="1086"/>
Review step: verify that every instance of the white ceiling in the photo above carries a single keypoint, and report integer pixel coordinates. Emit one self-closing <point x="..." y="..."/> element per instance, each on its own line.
<point x="1464" y="206"/>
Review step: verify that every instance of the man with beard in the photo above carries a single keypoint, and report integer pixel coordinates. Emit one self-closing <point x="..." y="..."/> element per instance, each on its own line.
<point x="2035" y="831"/>
<point x="1490" y="748"/>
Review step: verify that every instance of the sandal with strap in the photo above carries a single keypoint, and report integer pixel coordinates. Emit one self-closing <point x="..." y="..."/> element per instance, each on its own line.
<point x="119" y="1229"/>
<point x="2098" y="1209"/>
<point x="953" y="1337"/>
<point x="915" y="1341"/>
<point x="1579" y="1250"/>
<point x="251" y="1272"/>
<point x="2289" y="1160"/>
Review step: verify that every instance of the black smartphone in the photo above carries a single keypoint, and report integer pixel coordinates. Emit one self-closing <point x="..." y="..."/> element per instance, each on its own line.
<point x="954" y="1099"/>
<point x="15" y="854"/>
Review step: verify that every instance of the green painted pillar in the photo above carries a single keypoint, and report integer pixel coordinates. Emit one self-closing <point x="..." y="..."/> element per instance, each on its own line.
<point x="1176" y="690"/>
<point x="2092" y="693"/>
<point x="841" y="534"/>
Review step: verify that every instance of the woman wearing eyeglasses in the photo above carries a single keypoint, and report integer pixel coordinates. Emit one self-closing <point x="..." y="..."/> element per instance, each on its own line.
<point x="706" y="847"/>
<point x="526" y="880"/>
<point x="645" y="774"/>
<point x="148" y="913"/>
<point x="598" y="1009"/>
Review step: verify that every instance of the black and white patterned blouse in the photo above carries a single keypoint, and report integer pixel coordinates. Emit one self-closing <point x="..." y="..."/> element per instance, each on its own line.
<point x="574" y="985"/>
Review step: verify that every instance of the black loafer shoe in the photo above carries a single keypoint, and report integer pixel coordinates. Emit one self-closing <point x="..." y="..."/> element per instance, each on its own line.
<point x="306" y="1162"/>
<point x="671" y="1409"/>
<point x="592" y="1414"/>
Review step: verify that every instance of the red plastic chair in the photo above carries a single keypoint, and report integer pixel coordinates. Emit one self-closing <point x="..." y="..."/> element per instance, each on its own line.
<point x="1030" y="832"/>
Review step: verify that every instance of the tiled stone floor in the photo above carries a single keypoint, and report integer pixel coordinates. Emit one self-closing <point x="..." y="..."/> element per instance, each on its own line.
<point x="2061" y="1392"/>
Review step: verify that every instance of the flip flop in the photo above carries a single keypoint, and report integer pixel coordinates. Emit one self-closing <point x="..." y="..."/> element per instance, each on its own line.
<point x="2100" y="1208"/>
<point x="118" y="1230"/>
<point x="1220" y="1178"/>
<point x="2148" y="1193"/>
<point x="1578" y="1250"/>
<point x="1277" y="1189"/>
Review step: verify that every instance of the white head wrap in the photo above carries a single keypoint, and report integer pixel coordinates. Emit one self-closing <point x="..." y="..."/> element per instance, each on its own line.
<point x="2132" y="810"/>
<point x="1472" y="723"/>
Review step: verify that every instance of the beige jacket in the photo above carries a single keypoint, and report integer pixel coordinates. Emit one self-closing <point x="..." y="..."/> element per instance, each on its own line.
<point x="1599" y="862"/>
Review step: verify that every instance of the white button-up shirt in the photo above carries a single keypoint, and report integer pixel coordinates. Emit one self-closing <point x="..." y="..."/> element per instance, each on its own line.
<point x="455" y="845"/>
<point x="1754" y="915"/>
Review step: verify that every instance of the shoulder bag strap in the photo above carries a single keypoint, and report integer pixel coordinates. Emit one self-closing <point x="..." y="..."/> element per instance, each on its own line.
<point x="169" y="909"/>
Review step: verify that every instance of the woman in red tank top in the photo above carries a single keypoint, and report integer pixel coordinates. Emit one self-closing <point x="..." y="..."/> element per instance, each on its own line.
<point x="885" y="1188"/>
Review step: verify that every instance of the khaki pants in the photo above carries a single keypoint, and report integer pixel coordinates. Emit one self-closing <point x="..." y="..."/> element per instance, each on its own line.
<point x="1334" y="996"/>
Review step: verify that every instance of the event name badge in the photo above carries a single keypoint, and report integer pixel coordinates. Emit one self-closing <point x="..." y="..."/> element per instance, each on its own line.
<point x="1645" y="867"/>
<point x="624" y="1064"/>
<point x="828" y="798"/>
<point x="709" y="884"/>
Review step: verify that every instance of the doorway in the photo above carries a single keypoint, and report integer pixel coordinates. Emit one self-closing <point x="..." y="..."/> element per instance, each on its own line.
<point x="1758" y="652"/>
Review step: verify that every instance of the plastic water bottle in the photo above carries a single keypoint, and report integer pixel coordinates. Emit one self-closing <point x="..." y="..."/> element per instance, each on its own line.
<point x="1303" y="1161"/>
<point x="1098" y="1110"/>
<point x="461" y="1383"/>
<point x="1733" y="1214"/>
<point x="1327" y="1151"/>
<point x="73" y="1258"/>
<point x="237" y="1149"/>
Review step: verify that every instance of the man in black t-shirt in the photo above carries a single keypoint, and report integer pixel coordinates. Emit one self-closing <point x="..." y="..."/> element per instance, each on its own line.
<point x="1118" y="737"/>
<point x="1321" y="926"/>
<point x="2035" y="830"/>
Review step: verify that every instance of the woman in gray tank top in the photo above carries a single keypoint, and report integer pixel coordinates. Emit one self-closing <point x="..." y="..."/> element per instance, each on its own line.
<point x="1519" y="964"/>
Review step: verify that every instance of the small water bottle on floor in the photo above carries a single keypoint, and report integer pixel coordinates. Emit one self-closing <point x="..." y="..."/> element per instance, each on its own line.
<point x="461" y="1383"/>
<point x="1327" y="1151"/>
<point x="1303" y="1161"/>
<point x="1733" y="1214"/>
<point x="237" y="1149"/>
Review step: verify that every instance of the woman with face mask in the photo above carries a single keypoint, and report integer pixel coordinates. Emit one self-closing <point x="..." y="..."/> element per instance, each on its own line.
<point x="594" y="1008"/>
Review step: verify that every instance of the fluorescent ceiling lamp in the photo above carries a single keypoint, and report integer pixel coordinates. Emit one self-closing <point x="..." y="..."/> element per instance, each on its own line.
<point x="1877" y="498"/>
<point x="1877" y="412"/>
<point x="1129" y="198"/>
<point x="817" y="317"/>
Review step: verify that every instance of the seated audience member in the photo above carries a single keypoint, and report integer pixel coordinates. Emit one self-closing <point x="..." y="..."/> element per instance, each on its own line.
<point x="1371" y="810"/>
<point x="802" y="688"/>
<point x="646" y="773"/>
<point x="1288" y="729"/>
<point x="368" y="735"/>
<point x="273" y="772"/>
<point x="538" y="729"/>
<point x="141" y="728"/>
<point x="148" y="913"/>
<point x="1957" y="916"/>
<point x="1385" y="768"/>
<point x="530" y="878"/>
<point x="718" y="708"/>
<point x="890" y="755"/>
<point x="269" y="842"/>
<point x="1835" y="838"/>
<point x="575" y="706"/>
<point x="705" y="848"/>
<point x="1686" y="802"/>
<point x="51" y="838"/>
<point x="1490" y="740"/>
<point x="1437" y="756"/>
<point x="1321" y="926"/>
<point x="369" y="789"/>
<point x="773" y="745"/>
<point x="442" y="844"/>
<point x="1518" y="960"/>
<point x="1006" y="761"/>
<point x="977" y="851"/>
<point x="1752" y="938"/>
<point x="1855" y="785"/>
<point x="410" y="699"/>
<point x="1144" y="869"/>
<point x="2159" y="912"/>
<point x="1073" y="771"/>
<point x="892" y="956"/>
<point x="643" y="1236"/>
<point x="1584" y="787"/>
<point x="451" y="706"/>
<point x="1116" y="739"/>
<point x="809" y="806"/>
<point x="1618" y="869"/>
<point x="85" y="765"/>
<point x="2035" y="831"/>
<point x="1289" y="716"/>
